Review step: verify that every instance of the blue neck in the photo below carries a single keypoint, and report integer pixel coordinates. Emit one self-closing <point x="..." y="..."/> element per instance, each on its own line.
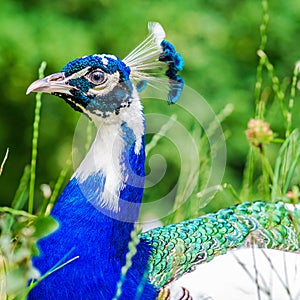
<point x="126" y="171"/>
<point x="98" y="235"/>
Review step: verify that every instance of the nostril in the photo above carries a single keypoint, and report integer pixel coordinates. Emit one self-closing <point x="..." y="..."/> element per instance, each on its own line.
<point x="56" y="77"/>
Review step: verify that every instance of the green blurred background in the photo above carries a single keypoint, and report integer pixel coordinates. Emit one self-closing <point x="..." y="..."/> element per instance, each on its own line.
<point x="218" y="40"/>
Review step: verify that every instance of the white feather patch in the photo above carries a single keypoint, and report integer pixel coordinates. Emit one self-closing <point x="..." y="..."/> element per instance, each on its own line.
<point x="105" y="57"/>
<point x="105" y="155"/>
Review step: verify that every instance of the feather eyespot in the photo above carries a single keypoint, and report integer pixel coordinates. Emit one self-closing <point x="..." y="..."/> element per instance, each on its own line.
<point x="97" y="77"/>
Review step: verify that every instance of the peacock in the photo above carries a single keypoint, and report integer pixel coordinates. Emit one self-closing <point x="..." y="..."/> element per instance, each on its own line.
<point x="99" y="206"/>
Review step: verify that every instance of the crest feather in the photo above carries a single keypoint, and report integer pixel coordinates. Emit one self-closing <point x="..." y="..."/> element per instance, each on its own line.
<point x="145" y="55"/>
<point x="150" y="57"/>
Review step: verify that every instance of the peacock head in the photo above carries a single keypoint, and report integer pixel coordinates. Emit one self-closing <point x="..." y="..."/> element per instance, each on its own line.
<point x="95" y="85"/>
<point x="104" y="85"/>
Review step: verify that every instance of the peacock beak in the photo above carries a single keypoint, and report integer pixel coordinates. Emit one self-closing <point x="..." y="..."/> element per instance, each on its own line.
<point x="54" y="83"/>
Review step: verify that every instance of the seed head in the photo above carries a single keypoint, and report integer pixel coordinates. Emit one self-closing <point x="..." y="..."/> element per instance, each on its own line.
<point x="259" y="133"/>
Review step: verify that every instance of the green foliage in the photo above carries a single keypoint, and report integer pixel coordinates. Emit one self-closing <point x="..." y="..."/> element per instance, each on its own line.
<point x="272" y="165"/>
<point x="19" y="232"/>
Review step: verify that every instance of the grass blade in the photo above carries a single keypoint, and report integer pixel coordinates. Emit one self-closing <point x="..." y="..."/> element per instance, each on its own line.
<point x="4" y="161"/>
<point x="36" y="123"/>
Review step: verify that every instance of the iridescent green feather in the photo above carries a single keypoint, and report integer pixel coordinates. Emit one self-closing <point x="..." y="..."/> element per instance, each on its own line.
<point x="178" y="248"/>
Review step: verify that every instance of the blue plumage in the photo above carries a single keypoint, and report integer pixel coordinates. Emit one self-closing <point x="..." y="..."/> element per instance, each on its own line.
<point x="175" y="64"/>
<point x="97" y="235"/>
<point x="100" y="240"/>
<point x="108" y="63"/>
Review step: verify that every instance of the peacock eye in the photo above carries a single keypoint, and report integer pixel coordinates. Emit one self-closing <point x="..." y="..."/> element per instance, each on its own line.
<point x="98" y="77"/>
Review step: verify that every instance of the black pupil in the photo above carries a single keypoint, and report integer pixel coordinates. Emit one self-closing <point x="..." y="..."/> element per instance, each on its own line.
<point x="97" y="76"/>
